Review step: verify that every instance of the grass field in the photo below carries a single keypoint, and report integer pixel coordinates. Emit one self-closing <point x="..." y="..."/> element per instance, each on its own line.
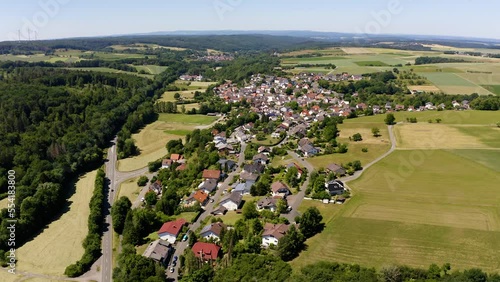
<point x="447" y="117"/>
<point x="443" y="208"/>
<point x="230" y="217"/>
<point x="62" y="239"/>
<point x="129" y="189"/>
<point x="425" y="88"/>
<point x="152" y="139"/>
<point x="168" y="96"/>
<point x="151" y="69"/>
<point x="451" y="83"/>
<point x="492" y="88"/>
<point x="425" y="135"/>
<point x="371" y="64"/>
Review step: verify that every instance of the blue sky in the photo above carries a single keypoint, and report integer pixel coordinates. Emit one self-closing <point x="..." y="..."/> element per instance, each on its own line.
<point x="71" y="18"/>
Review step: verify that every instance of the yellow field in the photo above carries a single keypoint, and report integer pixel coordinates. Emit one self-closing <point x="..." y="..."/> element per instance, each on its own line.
<point x="129" y="189"/>
<point x="151" y="142"/>
<point x="60" y="244"/>
<point x="425" y="88"/>
<point x="349" y="129"/>
<point x="168" y="96"/>
<point x="357" y="51"/>
<point x="3" y="203"/>
<point x="7" y="277"/>
<point x="425" y="135"/>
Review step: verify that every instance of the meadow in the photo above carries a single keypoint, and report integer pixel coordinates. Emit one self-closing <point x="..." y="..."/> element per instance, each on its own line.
<point x="151" y="140"/>
<point x="441" y="208"/>
<point x="129" y="189"/>
<point x="63" y="237"/>
<point x="151" y="69"/>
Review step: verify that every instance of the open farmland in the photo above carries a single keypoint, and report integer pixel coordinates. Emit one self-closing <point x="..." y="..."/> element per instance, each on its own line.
<point x="444" y="208"/>
<point x="451" y="83"/>
<point x="62" y="239"/>
<point x="152" y="139"/>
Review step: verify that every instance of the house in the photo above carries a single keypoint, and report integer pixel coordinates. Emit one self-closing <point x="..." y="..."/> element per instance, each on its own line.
<point x="198" y="196"/>
<point x="220" y="210"/>
<point x="159" y="251"/>
<point x="211" y="174"/>
<point x="232" y="202"/>
<point x="267" y="203"/>
<point x="243" y="188"/>
<point x="170" y="230"/>
<point x="182" y="167"/>
<point x="176" y="158"/>
<point x="156" y="187"/>
<point x="300" y="171"/>
<point x="280" y="189"/>
<point x="206" y="251"/>
<point x="166" y="163"/>
<point x="264" y="149"/>
<point x="260" y="159"/>
<point x="229" y="164"/>
<point x="249" y="177"/>
<point x="335" y="168"/>
<point x="273" y="233"/>
<point x="213" y="231"/>
<point x="208" y="186"/>
<point x="307" y="147"/>
<point x="335" y="187"/>
<point x="253" y="168"/>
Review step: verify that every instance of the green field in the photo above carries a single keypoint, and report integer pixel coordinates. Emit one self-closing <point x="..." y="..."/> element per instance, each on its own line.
<point x="440" y="208"/>
<point x="371" y="64"/>
<point x="492" y="88"/>
<point x="447" y="117"/>
<point x="110" y="70"/>
<point x="451" y="83"/>
<point x="488" y="158"/>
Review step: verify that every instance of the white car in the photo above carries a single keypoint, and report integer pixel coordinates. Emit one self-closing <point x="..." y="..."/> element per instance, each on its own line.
<point x="172" y="270"/>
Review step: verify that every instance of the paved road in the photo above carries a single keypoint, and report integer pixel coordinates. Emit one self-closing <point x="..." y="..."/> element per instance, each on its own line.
<point x="181" y="246"/>
<point x="295" y="200"/>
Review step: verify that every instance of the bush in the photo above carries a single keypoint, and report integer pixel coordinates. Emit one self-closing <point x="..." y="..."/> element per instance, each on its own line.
<point x="357" y="137"/>
<point x="143" y="180"/>
<point x="364" y="150"/>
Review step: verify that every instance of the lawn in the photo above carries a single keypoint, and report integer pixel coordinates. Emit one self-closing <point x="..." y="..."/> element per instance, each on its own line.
<point x="129" y="189"/>
<point x="188" y="216"/>
<point x="447" y="117"/>
<point x="415" y="208"/>
<point x="63" y="237"/>
<point x="230" y="217"/>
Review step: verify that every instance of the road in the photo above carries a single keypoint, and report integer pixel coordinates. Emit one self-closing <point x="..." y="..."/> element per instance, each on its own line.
<point x="115" y="179"/>
<point x="294" y="201"/>
<point x="357" y="174"/>
<point x="181" y="246"/>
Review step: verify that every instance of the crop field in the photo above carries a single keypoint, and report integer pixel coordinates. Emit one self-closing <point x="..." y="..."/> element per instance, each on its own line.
<point x="447" y="117"/>
<point x="425" y="88"/>
<point x="436" y="207"/>
<point x="492" y="88"/>
<point x="425" y="135"/>
<point x="488" y="158"/>
<point x="451" y="83"/>
<point x="152" y="139"/>
<point x="63" y="237"/>
<point x="325" y="52"/>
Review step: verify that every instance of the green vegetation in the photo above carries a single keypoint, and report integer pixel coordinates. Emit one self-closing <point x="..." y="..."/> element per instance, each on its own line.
<point x="250" y="267"/>
<point x="436" y="60"/>
<point x="371" y="64"/>
<point x="119" y="212"/>
<point x="187" y="119"/>
<point x="492" y="88"/>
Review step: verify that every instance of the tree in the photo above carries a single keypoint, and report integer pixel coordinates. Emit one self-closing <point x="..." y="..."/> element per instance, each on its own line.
<point x="291" y="176"/>
<point x="310" y="222"/>
<point x="390" y="119"/>
<point x="281" y="206"/>
<point x="150" y="198"/>
<point x="119" y="212"/>
<point x="357" y="137"/>
<point x="376" y="132"/>
<point x="177" y="96"/>
<point x="249" y="210"/>
<point x="254" y="267"/>
<point x="290" y="245"/>
<point x="142" y="181"/>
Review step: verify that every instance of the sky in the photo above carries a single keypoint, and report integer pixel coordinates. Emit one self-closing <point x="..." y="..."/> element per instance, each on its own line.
<point x="49" y="19"/>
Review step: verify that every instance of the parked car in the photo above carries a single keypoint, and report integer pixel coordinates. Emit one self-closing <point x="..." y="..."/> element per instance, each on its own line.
<point x="184" y="238"/>
<point x="172" y="270"/>
<point x="175" y="258"/>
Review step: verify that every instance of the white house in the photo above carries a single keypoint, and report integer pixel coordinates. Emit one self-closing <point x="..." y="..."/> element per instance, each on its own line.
<point x="232" y="201"/>
<point x="212" y="231"/>
<point x="170" y="230"/>
<point x="273" y="232"/>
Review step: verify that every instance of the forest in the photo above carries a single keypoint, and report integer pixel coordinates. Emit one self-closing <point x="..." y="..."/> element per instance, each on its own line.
<point x="55" y="126"/>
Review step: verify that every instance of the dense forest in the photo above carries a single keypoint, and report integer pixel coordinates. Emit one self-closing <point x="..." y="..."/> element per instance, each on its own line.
<point x="55" y="125"/>
<point x="436" y="60"/>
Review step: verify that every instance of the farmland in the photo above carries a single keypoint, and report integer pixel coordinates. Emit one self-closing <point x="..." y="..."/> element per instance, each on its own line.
<point x="475" y="75"/>
<point x="152" y="139"/>
<point x="418" y="215"/>
<point x="63" y="237"/>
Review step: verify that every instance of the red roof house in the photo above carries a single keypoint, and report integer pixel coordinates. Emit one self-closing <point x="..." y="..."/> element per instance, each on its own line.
<point x="206" y="251"/>
<point x="211" y="174"/>
<point x="170" y="230"/>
